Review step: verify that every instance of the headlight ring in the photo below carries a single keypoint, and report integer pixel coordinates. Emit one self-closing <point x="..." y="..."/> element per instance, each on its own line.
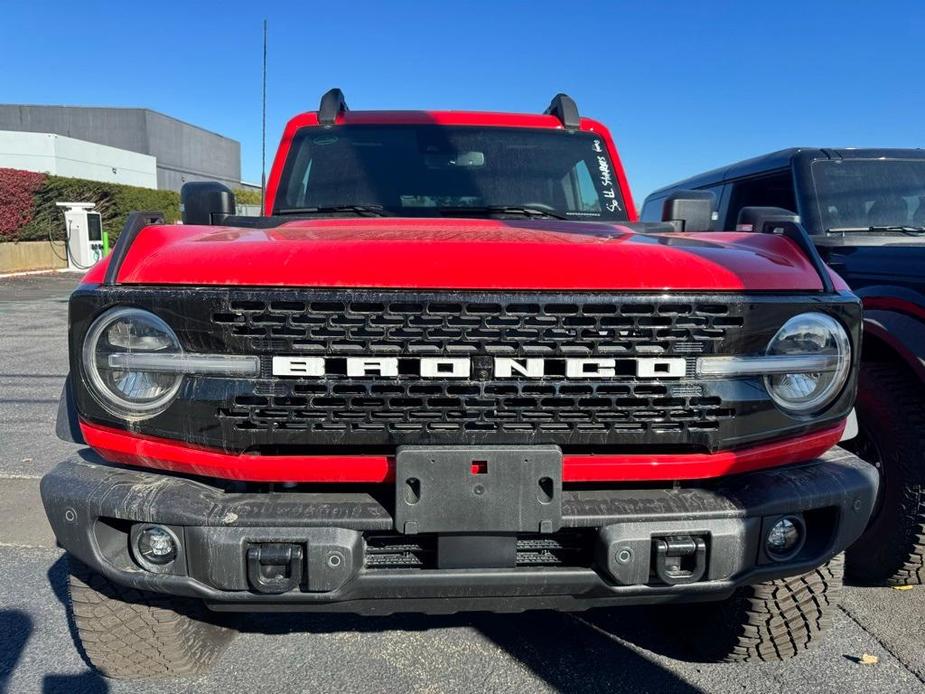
<point x="809" y="335"/>
<point x="130" y="394"/>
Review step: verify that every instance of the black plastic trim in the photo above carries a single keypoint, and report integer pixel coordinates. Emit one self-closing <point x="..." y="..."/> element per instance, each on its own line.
<point x="776" y="220"/>
<point x="332" y="105"/>
<point x="134" y="223"/>
<point x="689" y="210"/>
<point x="219" y="525"/>
<point x="565" y="109"/>
<point x="67" y="423"/>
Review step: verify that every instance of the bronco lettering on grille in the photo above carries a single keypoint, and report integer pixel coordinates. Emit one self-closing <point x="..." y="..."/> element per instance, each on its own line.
<point x="461" y="367"/>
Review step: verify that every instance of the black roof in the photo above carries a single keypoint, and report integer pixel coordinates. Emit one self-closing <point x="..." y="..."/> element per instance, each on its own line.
<point x="783" y="159"/>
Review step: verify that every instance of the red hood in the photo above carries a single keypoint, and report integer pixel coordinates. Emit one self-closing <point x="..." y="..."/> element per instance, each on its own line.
<point x="463" y="254"/>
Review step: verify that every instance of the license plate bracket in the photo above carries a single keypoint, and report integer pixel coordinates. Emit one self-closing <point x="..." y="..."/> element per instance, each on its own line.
<point x="478" y="489"/>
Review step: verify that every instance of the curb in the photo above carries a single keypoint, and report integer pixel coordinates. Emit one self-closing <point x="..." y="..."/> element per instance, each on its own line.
<point x="25" y="273"/>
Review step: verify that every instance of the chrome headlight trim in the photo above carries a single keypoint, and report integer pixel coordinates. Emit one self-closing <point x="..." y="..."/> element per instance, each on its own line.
<point x="109" y="398"/>
<point x="153" y="357"/>
<point x="827" y="357"/>
<point x="769" y="364"/>
<point x="185" y="363"/>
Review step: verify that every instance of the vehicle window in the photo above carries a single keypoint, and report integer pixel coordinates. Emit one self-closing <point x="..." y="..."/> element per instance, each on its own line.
<point x="861" y="193"/>
<point x="583" y="186"/>
<point x="717" y="205"/>
<point x="414" y="170"/>
<point x="765" y="191"/>
<point x="652" y="209"/>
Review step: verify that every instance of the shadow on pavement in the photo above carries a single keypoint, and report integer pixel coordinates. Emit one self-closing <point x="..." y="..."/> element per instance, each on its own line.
<point x="16" y="627"/>
<point x="570" y="653"/>
<point x="84" y="683"/>
<point x="640" y="626"/>
<point x="582" y="652"/>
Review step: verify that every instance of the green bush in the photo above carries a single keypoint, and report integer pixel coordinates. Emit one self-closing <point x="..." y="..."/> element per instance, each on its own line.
<point x="247" y="196"/>
<point x="113" y="201"/>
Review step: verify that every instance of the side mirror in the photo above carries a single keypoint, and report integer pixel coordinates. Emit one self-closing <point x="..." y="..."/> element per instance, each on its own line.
<point x="206" y="202"/>
<point x="763" y="219"/>
<point x="689" y="210"/>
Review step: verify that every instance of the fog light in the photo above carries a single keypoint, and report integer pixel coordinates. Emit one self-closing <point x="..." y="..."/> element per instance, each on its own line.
<point x="785" y="538"/>
<point x="157" y="545"/>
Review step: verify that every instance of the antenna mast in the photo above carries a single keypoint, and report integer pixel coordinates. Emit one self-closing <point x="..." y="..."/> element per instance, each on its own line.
<point x="263" y="124"/>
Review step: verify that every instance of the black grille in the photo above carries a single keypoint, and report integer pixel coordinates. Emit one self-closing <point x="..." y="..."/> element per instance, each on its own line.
<point x="567" y="548"/>
<point x="492" y="407"/>
<point x="532" y="327"/>
<point x="551" y="327"/>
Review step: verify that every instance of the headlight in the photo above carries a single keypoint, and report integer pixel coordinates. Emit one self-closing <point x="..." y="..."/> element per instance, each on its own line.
<point x="128" y="391"/>
<point x="809" y="338"/>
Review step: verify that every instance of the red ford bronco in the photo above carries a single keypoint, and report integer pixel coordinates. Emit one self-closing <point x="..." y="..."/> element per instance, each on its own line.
<point x="448" y="370"/>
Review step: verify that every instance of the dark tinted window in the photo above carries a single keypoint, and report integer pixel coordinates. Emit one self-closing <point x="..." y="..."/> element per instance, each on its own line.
<point x="416" y="170"/>
<point x="775" y="190"/>
<point x="860" y="193"/>
<point x="652" y="209"/>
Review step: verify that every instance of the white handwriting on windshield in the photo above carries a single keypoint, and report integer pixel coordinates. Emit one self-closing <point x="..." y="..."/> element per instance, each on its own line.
<point x="605" y="175"/>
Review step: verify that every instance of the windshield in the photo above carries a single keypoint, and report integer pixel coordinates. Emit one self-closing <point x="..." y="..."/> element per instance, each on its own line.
<point x="856" y="194"/>
<point x="429" y="170"/>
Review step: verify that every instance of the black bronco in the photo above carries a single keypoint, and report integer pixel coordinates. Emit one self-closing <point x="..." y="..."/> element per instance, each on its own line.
<point x="865" y="211"/>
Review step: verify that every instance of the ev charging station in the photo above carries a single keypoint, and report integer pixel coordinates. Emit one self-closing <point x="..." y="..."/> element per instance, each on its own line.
<point x="86" y="244"/>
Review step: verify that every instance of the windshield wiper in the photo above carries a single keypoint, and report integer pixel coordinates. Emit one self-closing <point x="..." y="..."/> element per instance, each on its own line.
<point x="519" y="210"/>
<point x="362" y="210"/>
<point x="899" y="228"/>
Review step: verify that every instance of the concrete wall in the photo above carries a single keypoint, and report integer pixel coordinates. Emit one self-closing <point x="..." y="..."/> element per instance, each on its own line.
<point x="117" y="127"/>
<point x="65" y="156"/>
<point x="31" y="255"/>
<point x="187" y="153"/>
<point x="183" y="151"/>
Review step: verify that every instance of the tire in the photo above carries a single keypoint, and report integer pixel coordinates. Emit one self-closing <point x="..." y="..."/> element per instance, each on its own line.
<point x="770" y="621"/>
<point x="131" y="634"/>
<point x="891" y="418"/>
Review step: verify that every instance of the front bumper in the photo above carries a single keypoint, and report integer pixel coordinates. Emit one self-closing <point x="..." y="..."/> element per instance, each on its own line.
<point x="96" y="510"/>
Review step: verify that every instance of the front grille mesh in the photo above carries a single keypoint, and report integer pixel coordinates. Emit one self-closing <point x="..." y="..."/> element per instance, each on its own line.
<point x="542" y="328"/>
<point x="410" y="325"/>
<point x="497" y="406"/>
<point x="566" y="548"/>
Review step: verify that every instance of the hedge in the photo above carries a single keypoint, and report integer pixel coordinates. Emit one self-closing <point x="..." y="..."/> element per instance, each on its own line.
<point x="17" y="200"/>
<point x="247" y="196"/>
<point x="113" y="201"/>
<point x="28" y="211"/>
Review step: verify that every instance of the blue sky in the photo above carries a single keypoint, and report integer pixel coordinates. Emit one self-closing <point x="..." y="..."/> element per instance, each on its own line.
<point x="684" y="86"/>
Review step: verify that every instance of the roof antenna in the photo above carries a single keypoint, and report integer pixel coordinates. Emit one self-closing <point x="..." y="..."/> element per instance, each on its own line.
<point x="263" y="125"/>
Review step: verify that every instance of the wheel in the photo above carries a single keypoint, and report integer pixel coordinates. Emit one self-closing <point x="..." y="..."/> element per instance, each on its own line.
<point x="132" y="634"/>
<point x="768" y="621"/>
<point x="891" y="419"/>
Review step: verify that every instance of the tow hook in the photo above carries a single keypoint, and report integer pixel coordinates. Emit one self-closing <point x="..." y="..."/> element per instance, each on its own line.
<point x="680" y="559"/>
<point x="274" y="568"/>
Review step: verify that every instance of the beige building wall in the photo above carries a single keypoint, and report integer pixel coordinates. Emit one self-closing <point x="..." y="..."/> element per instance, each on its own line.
<point x="31" y="255"/>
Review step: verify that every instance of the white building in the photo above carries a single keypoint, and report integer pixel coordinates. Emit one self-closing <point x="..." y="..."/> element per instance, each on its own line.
<point x="66" y="156"/>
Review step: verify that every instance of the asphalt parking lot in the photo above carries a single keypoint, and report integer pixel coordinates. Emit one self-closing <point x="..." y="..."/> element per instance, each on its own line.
<point x="595" y="651"/>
